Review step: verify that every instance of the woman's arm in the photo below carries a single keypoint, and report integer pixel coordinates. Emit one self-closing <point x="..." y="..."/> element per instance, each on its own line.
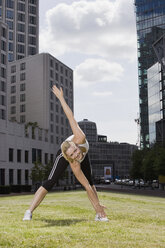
<point x="90" y="192"/>
<point x="79" y="136"/>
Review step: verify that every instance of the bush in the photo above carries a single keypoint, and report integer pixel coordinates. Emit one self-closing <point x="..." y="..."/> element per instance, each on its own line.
<point x="26" y="188"/>
<point x="4" y="189"/>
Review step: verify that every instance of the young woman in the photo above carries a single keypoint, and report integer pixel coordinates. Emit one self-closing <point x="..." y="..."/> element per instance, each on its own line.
<point x="73" y="151"/>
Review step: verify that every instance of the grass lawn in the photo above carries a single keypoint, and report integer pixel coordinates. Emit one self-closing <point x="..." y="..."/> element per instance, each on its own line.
<point x="66" y="220"/>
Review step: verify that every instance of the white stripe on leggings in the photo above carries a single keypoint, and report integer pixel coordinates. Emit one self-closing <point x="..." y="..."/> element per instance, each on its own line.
<point x="54" y="166"/>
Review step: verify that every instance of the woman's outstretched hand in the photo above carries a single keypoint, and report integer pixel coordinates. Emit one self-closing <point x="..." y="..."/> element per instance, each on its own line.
<point x="100" y="210"/>
<point x="58" y="92"/>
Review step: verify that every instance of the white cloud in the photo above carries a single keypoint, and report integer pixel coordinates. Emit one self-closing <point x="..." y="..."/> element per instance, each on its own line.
<point x="103" y="28"/>
<point x="93" y="71"/>
<point x="102" y="94"/>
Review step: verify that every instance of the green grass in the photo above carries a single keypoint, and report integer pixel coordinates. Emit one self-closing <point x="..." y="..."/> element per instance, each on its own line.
<point x="66" y="220"/>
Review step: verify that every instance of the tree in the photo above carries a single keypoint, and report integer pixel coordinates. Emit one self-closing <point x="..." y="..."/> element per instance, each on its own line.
<point x="137" y="159"/>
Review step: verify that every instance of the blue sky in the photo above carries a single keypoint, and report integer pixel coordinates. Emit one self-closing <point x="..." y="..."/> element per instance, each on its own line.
<point x="97" y="39"/>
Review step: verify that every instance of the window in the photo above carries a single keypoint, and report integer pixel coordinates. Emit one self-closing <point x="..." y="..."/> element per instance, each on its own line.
<point x="2" y="114"/>
<point x="21" y="38"/>
<point x="13" y="99"/>
<point x="46" y="158"/>
<point x="26" y="156"/>
<point x="51" y="73"/>
<point x="61" y="69"/>
<point x="19" y="155"/>
<point x="3" y="45"/>
<point x="22" y="97"/>
<point x="33" y="1"/>
<point x="10" y="4"/>
<point x="21" y="6"/>
<point x="57" y="76"/>
<point x="3" y="86"/>
<point x="20" y="48"/>
<point x="2" y="176"/>
<point x="13" y="68"/>
<point x="11" y="176"/>
<point x="9" y="14"/>
<point x="3" y="72"/>
<point x="22" y="108"/>
<point x="36" y="155"/>
<point x="32" y="20"/>
<point x="22" y="87"/>
<point x="2" y="100"/>
<point x="22" y="66"/>
<point x="19" y="177"/>
<point x="10" y="46"/>
<point x="13" y="79"/>
<point x="10" y="57"/>
<point x="26" y="177"/>
<point x="3" y="59"/>
<point x="10" y="35"/>
<point x="51" y="158"/>
<point x="32" y="30"/>
<point x="51" y="106"/>
<point x="31" y="50"/>
<point x="32" y="10"/>
<point x="13" y="89"/>
<point x="21" y="27"/>
<point x="11" y="154"/>
<point x="51" y="63"/>
<point x="56" y="66"/>
<point x="32" y="40"/>
<point x="3" y="32"/>
<point x="10" y="25"/>
<point x="21" y="17"/>
<point x="22" y="119"/>
<point x="13" y="110"/>
<point x="22" y="76"/>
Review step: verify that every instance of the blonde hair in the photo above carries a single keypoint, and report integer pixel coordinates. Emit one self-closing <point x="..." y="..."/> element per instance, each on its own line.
<point x="64" y="147"/>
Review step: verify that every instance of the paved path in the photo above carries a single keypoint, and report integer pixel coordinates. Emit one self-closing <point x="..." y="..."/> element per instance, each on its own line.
<point x="130" y="189"/>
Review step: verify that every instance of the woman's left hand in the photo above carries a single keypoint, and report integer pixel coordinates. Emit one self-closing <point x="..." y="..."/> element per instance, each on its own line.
<point x="58" y="92"/>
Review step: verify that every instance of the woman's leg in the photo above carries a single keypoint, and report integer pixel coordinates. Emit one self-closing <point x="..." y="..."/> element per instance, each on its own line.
<point x="58" y="168"/>
<point x="38" y="197"/>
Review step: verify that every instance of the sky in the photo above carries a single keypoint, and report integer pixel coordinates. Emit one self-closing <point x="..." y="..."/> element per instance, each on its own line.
<point x="97" y="39"/>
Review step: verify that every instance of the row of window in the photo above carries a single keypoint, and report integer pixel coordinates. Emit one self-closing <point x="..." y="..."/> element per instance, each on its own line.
<point x="22" y="109"/>
<point x="60" y="68"/>
<point x="22" y="67"/>
<point x="11" y="176"/>
<point x="24" y="156"/>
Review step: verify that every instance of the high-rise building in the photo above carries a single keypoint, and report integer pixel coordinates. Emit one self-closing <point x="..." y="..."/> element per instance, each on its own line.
<point x="103" y="154"/>
<point x="30" y="98"/>
<point x="3" y="70"/>
<point x="22" y="19"/>
<point x="156" y="104"/>
<point x="150" y="21"/>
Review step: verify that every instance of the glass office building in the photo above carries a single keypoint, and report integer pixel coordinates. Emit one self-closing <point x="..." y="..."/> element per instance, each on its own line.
<point x="150" y="22"/>
<point x="22" y="18"/>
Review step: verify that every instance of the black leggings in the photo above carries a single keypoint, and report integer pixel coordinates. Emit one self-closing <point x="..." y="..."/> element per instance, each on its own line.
<point x="60" y="165"/>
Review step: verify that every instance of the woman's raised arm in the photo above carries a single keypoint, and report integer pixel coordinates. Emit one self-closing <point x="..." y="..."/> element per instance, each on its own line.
<point x="79" y="136"/>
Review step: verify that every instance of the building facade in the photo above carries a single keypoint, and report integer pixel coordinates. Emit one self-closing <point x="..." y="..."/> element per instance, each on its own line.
<point x="156" y="104"/>
<point x="22" y="19"/>
<point x="30" y="99"/>
<point x="150" y="22"/>
<point x="103" y="154"/>
<point x="3" y="70"/>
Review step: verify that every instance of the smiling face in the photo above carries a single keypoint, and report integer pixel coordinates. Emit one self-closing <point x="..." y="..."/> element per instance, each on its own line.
<point x="74" y="152"/>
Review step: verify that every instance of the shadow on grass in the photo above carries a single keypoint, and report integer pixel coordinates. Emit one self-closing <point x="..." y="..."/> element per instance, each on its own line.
<point x="62" y="222"/>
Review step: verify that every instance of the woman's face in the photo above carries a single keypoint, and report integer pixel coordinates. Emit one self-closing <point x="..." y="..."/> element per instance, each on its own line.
<point x="74" y="152"/>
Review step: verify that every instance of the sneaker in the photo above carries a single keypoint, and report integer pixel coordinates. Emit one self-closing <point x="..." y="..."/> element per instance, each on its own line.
<point x="28" y="215"/>
<point x="103" y="219"/>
